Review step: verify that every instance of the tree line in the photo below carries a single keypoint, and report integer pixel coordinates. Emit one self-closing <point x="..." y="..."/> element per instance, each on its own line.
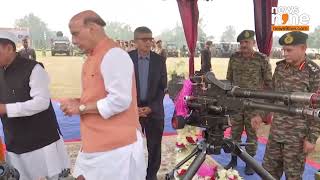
<point x="41" y="35"/>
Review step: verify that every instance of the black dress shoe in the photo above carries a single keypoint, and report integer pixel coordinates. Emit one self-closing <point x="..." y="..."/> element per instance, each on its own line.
<point x="248" y="170"/>
<point x="233" y="163"/>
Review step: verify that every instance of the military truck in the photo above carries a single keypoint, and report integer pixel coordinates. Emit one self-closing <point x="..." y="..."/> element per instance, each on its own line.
<point x="197" y="52"/>
<point x="225" y="49"/>
<point x="77" y="51"/>
<point x="61" y="45"/>
<point x="313" y="53"/>
<point x="172" y="50"/>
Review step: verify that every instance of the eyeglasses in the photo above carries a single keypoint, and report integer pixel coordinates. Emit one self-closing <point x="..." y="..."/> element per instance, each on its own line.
<point x="145" y="39"/>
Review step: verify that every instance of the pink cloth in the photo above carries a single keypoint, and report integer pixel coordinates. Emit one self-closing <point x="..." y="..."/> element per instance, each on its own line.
<point x="180" y="103"/>
<point x="207" y="171"/>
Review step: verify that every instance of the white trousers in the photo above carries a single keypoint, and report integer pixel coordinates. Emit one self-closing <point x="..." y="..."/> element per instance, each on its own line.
<point x="124" y="163"/>
<point x="46" y="162"/>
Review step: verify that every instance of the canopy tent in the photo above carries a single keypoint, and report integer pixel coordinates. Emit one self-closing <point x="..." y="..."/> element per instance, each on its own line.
<point x="262" y="17"/>
<point x="190" y="16"/>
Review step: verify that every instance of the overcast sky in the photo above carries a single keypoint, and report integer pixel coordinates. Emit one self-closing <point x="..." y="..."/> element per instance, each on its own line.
<point x="156" y="14"/>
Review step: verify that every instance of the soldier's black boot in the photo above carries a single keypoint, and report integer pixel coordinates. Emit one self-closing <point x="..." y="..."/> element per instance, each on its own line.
<point x="233" y="163"/>
<point x="248" y="170"/>
<point x="317" y="175"/>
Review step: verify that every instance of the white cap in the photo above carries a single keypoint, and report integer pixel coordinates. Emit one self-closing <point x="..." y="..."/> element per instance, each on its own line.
<point x="9" y="35"/>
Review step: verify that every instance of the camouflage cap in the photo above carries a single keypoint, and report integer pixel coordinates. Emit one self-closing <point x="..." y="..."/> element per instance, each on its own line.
<point x="293" y="38"/>
<point x="246" y="35"/>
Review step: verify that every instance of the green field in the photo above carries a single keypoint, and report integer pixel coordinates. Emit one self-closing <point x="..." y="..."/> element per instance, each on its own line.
<point x="65" y="78"/>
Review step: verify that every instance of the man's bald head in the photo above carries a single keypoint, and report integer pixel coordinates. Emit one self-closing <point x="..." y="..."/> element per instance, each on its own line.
<point x="87" y="17"/>
<point x="87" y="30"/>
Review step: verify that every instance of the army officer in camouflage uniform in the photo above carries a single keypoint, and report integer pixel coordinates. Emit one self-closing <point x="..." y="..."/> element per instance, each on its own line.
<point x="247" y="69"/>
<point x="292" y="137"/>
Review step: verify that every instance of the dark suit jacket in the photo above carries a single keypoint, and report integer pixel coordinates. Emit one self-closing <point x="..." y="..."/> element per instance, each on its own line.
<point x="157" y="83"/>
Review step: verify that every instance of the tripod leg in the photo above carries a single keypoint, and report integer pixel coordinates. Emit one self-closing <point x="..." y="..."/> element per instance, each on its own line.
<point x="193" y="153"/>
<point x="195" y="165"/>
<point x="170" y="175"/>
<point x="252" y="163"/>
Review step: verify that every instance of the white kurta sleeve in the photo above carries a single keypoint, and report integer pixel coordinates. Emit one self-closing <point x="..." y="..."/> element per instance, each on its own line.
<point x="39" y="93"/>
<point x="117" y="71"/>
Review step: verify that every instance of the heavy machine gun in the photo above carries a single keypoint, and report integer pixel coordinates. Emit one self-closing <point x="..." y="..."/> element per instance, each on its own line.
<point x="213" y="102"/>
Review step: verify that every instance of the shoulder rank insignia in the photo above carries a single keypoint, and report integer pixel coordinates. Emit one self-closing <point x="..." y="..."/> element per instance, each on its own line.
<point x="313" y="68"/>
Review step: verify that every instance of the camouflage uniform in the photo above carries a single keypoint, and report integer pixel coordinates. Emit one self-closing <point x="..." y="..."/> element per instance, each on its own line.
<point x="160" y="50"/>
<point x="205" y="60"/>
<point x="285" y="145"/>
<point x="252" y="73"/>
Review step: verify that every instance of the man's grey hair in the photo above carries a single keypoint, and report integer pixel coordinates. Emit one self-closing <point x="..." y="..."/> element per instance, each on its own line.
<point x="141" y="30"/>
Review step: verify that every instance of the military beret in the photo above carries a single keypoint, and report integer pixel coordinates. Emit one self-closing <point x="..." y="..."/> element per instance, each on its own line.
<point x="293" y="38"/>
<point x="245" y="35"/>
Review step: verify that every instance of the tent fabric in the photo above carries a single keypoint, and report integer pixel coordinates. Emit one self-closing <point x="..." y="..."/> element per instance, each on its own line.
<point x="190" y="16"/>
<point x="262" y="20"/>
<point x="262" y="17"/>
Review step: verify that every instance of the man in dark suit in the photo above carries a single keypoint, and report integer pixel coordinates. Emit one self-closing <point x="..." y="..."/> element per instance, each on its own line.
<point x="151" y="79"/>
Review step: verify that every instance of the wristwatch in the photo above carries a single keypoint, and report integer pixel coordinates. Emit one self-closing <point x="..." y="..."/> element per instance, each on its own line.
<point x="82" y="108"/>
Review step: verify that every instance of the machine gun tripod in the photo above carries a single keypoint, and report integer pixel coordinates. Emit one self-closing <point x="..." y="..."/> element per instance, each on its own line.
<point x="212" y="144"/>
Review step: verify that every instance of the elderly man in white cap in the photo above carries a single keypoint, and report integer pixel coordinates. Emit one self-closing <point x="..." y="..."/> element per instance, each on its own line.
<point x="31" y="132"/>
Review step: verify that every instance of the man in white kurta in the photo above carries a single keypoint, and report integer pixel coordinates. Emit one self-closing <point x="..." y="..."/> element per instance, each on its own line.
<point x="33" y="161"/>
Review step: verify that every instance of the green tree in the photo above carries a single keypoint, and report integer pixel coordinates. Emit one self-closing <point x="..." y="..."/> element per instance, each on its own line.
<point x="229" y="34"/>
<point x="202" y="35"/>
<point x="314" y="38"/>
<point x="118" y="30"/>
<point x="275" y="41"/>
<point x="39" y="32"/>
<point x="176" y="35"/>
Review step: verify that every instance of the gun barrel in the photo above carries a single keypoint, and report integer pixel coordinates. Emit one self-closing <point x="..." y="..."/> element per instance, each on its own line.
<point x="194" y="105"/>
<point x="198" y="98"/>
<point x="217" y="109"/>
<point x="293" y="97"/>
<point x="305" y="112"/>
